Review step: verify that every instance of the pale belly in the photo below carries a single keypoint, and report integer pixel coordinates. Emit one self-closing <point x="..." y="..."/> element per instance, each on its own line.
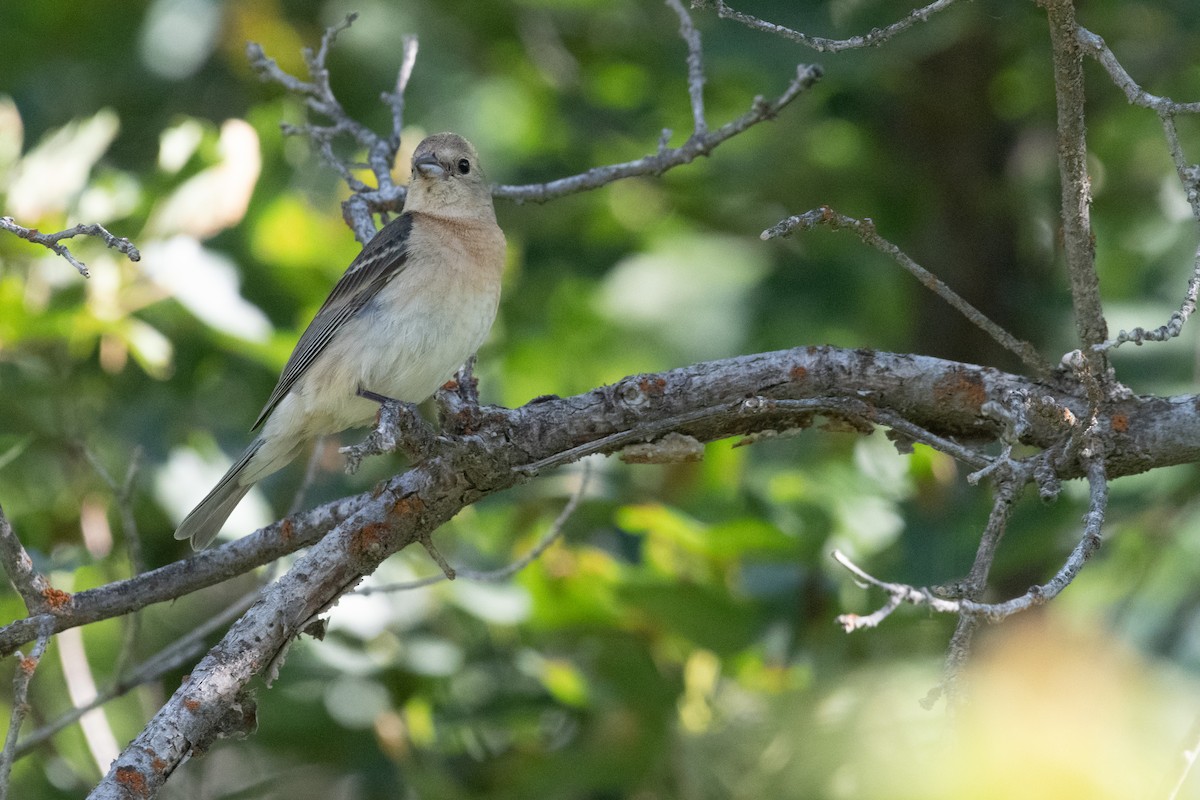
<point x="405" y="355"/>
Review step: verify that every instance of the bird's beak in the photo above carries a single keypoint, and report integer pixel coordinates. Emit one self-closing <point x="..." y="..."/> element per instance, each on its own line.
<point x="429" y="166"/>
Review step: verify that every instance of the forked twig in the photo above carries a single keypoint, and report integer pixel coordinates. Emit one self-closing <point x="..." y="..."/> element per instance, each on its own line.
<point x="20" y="707"/>
<point x="51" y="240"/>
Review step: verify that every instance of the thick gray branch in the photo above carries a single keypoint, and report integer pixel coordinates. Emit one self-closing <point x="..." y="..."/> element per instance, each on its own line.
<point x="944" y="398"/>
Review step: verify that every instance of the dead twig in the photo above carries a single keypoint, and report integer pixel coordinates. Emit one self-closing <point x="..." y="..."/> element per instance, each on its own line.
<point x="51" y="240"/>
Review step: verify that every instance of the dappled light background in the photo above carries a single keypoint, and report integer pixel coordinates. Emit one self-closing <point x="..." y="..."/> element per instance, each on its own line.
<point x="679" y="642"/>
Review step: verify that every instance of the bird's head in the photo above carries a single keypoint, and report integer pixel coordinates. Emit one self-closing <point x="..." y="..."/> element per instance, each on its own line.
<point x="447" y="179"/>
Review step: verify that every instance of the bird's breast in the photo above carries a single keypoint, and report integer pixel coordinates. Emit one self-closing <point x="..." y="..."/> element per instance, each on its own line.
<point x="407" y="340"/>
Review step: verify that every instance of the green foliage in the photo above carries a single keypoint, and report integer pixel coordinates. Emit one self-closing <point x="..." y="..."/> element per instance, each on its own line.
<point x="680" y="641"/>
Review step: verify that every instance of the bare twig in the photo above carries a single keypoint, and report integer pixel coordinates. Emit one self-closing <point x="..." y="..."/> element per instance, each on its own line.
<point x="180" y="578"/>
<point x="1174" y="325"/>
<point x="896" y="422"/>
<point x="1189" y="174"/>
<point x="553" y="534"/>
<point x="993" y="612"/>
<point x="33" y="587"/>
<point x="1095" y="47"/>
<point x="319" y="99"/>
<point x="123" y="495"/>
<point x="1007" y="494"/>
<point x="874" y="38"/>
<point x="695" y="64"/>
<point x="395" y="99"/>
<point x="666" y="157"/>
<point x="865" y="230"/>
<point x="973" y="586"/>
<point x="20" y="708"/>
<point x="1189" y="177"/>
<point x="51" y="240"/>
<point x="400" y="427"/>
<point x="1084" y="443"/>
<point x="1076" y="189"/>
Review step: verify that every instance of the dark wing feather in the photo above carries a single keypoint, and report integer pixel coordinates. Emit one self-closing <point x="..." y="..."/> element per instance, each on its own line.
<point x="380" y="261"/>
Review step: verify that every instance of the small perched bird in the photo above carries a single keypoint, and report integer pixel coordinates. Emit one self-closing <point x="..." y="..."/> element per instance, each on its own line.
<point x="409" y="310"/>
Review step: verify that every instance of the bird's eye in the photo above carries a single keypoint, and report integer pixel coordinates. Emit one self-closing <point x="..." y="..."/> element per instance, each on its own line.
<point x="464" y="166"/>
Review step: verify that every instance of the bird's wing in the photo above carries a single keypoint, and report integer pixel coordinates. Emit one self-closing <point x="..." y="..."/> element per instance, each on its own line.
<point x="380" y="261"/>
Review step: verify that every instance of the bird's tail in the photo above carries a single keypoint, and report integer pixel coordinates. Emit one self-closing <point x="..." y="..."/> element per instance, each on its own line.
<point x="205" y="520"/>
<point x="261" y="458"/>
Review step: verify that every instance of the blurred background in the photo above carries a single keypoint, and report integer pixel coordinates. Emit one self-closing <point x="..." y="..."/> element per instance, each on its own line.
<point x="679" y="642"/>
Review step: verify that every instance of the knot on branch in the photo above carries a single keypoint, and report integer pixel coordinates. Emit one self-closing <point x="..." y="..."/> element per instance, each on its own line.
<point x="637" y="392"/>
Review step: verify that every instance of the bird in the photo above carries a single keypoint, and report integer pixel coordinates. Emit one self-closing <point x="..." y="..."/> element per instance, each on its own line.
<point x="410" y="309"/>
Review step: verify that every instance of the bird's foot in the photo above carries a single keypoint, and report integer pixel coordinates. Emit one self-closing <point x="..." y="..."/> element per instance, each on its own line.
<point x="399" y="427"/>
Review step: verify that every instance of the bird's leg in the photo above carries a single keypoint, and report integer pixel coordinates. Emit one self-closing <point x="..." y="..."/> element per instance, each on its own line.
<point x="467" y="385"/>
<point x="399" y="427"/>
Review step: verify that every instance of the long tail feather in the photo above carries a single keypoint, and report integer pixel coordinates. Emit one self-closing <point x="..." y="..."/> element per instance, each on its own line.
<point x="205" y="520"/>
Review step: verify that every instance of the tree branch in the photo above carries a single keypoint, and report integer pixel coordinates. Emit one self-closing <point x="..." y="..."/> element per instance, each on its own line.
<point x="33" y="587"/>
<point x="948" y="399"/>
<point x="899" y="593"/>
<point x="667" y="157"/>
<point x="1094" y="46"/>
<point x="875" y="37"/>
<point x="319" y="99"/>
<point x="51" y="240"/>
<point x="1078" y="241"/>
<point x="180" y="578"/>
<point x="865" y="230"/>
<point x="20" y="707"/>
<point x="695" y="65"/>
<point x="178" y="654"/>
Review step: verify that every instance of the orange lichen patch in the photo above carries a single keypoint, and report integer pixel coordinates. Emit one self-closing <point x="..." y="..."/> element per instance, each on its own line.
<point x="1120" y="423"/>
<point x="408" y="505"/>
<point x="132" y="780"/>
<point x="56" y="598"/>
<point x="369" y="538"/>
<point x="373" y="531"/>
<point x="159" y="765"/>
<point x="28" y="665"/>
<point x="961" y="388"/>
<point x="191" y="705"/>
<point x="653" y="387"/>
<point x="798" y="372"/>
<point x="287" y="530"/>
<point x="450" y="385"/>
